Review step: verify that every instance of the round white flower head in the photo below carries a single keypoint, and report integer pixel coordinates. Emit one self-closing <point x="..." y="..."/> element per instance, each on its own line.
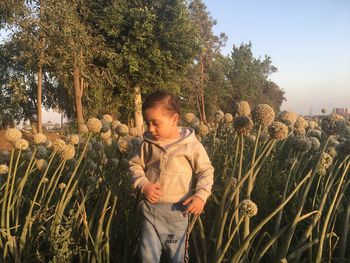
<point x="106" y="135"/>
<point x="107" y="118"/>
<point x="263" y="115"/>
<point x="333" y="124"/>
<point x="315" y="144"/>
<point x="59" y="145"/>
<point x="314" y="133"/>
<point x="288" y="117"/>
<point x="228" y="117"/>
<point x="39" y="138"/>
<point x="109" y="141"/>
<point x="4" y="169"/>
<point x="301" y="123"/>
<point x="278" y="130"/>
<point x="312" y="124"/>
<point x="62" y="186"/>
<point x="21" y="144"/>
<point x="48" y="144"/>
<point x="248" y="208"/>
<point x="219" y="116"/>
<point x="135" y="132"/>
<point x="13" y="134"/>
<point x="203" y="129"/>
<point x="84" y="128"/>
<point x="302" y="143"/>
<point x="40" y="164"/>
<point x="123" y="145"/>
<point x="243" y="125"/>
<point x="94" y="125"/>
<point x="299" y="131"/>
<point x="242" y="108"/>
<point x="114" y="124"/>
<point x="68" y="152"/>
<point x="189" y="117"/>
<point x="122" y="130"/>
<point x="73" y="139"/>
<point x="325" y="163"/>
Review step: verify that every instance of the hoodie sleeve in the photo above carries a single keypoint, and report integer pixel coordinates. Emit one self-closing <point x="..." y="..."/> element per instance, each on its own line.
<point x="204" y="172"/>
<point x="137" y="167"/>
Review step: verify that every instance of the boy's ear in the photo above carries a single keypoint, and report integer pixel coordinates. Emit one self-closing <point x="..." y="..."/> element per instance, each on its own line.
<point x="175" y="118"/>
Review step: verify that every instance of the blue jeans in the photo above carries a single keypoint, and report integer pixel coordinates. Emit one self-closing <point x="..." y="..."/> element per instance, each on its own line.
<point x="163" y="230"/>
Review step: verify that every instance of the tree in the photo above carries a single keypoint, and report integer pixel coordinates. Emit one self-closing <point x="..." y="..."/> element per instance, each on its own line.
<point x="210" y="46"/>
<point x="156" y="44"/>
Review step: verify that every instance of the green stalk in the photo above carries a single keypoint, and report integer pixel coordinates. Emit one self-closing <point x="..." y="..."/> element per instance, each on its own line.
<point x="11" y="192"/>
<point x="108" y="229"/>
<point x="246" y="242"/>
<point x="4" y="212"/>
<point x="330" y="209"/>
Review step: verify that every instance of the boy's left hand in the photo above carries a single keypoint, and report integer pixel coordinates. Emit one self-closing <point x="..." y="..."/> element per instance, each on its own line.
<point x="195" y="205"/>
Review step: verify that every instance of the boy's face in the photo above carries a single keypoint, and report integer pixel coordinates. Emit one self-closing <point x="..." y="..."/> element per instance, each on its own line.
<point x="160" y="124"/>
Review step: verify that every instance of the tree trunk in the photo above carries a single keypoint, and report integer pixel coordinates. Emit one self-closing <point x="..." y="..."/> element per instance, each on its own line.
<point x="41" y="44"/>
<point x="78" y="92"/>
<point x="138" y="109"/>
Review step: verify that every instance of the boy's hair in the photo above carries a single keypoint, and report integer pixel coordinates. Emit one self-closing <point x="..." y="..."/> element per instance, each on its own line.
<point x="162" y="98"/>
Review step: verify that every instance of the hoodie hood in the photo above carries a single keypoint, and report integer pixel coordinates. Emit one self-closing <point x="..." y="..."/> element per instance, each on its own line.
<point x="190" y="136"/>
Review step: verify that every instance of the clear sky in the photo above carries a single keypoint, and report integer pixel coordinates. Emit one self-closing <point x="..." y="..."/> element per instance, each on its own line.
<point x="308" y="41"/>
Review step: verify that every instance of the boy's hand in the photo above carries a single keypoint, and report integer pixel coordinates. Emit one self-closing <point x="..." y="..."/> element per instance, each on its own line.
<point x="152" y="192"/>
<point x="195" y="205"/>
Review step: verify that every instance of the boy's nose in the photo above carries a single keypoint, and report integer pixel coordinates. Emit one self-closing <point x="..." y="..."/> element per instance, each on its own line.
<point x="151" y="128"/>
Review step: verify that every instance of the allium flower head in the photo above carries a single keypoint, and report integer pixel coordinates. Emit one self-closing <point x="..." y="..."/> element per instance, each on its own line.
<point x="312" y="124"/>
<point x="331" y="151"/>
<point x="27" y="155"/>
<point x="109" y="141"/>
<point x="84" y="128"/>
<point x="263" y="115"/>
<point x="315" y="144"/>
<point x="333" y="124"/>
<point x="107" y="118"/>
<point x="106" y="135"/>
<point x="123" y="145"/>
<point x="68" y="152"/>
<point x="62" y="186"/>
<point x="40" y="164"/>
<point x="48" y="144"/>
<point x="3" y="169"/>
<point x="203" y="129"/>
<point x="59" y="145"/>
<point x="39" y="138"/>
<point x="219" y="116"/>
<point x="278" y="130"/>
<point x="228" y="118"/>
<point x="135" y="131"/>
<point x="325" y="162"/>
<point x="114" y="124"/>
<point x="302" y="143"/>
<point x="243" y="125"/>
<point x="13" y="134"/>
<point x="242" y="108"/>
<point x="299" y="131"/>
<point x="105" y="126"/>
<point x="136" y="141"/>
<point x="300" y="123"/>
<point x="41" y="152"/>
<point x="21" y="144"/>
<point x="314" y="133"/>
<point x="346" y="132"/>
<point x="73" y="139"/>
<point x="94" y="125"/>
<point x="122" y="130"/>
<point x="288" y="117"/>
<point x="248" y="208"/>
<point x="189" y="117"/>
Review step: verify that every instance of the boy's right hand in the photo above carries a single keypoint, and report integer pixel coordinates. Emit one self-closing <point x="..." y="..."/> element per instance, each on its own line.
<point x="152" y="192"/>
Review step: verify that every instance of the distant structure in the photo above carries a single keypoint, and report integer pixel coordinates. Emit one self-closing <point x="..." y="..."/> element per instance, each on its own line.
<point x="342" y="111"/>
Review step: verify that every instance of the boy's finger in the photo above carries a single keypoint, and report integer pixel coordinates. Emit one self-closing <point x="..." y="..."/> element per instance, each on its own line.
<point x="188" y="200"/>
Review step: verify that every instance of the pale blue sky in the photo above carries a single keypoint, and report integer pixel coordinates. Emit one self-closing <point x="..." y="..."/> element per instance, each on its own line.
<point x="308" y="41"/>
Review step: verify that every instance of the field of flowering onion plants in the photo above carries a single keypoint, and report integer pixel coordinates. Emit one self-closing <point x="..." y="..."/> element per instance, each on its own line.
<point x="280" y="194"/>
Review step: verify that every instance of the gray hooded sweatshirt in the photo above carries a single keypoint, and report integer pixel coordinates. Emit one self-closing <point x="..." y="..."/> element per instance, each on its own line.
<point x="173" y="166"/>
